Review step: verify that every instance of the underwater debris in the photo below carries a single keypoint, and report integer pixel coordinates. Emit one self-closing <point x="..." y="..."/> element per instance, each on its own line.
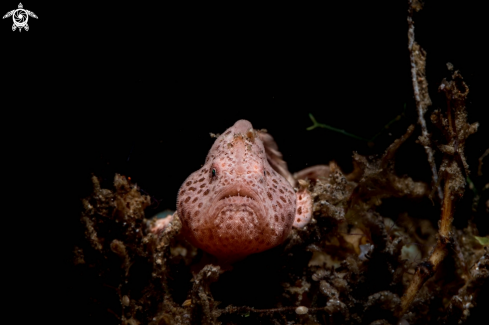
<point x="119" y="252"/>
<point x="377" y="180"/>
<point x="417" y="57"/>
<point x="453" y="170"/>
<point x="205" y="309"/>
<point x="301" y="310"/>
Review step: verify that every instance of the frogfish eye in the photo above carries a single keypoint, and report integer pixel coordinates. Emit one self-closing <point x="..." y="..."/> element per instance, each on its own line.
<point x="213" y="172"/>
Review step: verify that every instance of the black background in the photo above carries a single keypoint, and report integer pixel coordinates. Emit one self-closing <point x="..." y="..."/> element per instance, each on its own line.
<point x="136" y="87"/>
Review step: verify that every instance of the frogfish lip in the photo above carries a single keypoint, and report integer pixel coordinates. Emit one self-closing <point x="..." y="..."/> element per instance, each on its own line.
<point x="238" y="192"/>
<point x="234" y="196"/>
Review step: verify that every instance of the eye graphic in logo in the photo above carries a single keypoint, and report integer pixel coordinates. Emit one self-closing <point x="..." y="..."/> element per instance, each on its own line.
<point x="20" y="17"/>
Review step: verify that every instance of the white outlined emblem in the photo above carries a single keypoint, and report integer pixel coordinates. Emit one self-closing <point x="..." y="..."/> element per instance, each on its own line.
<point x="20" y="17"/>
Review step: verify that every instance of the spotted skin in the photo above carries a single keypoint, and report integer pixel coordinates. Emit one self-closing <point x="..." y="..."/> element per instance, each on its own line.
<point x="237" y="204"/>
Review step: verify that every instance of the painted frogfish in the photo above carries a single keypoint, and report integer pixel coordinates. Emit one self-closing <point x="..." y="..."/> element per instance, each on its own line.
<point x="242" y="201"/>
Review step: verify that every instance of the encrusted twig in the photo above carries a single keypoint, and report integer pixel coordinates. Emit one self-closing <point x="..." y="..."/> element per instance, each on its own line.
<point x="453" y="170"/>
<point x="338" y="306"/>
<point x="479" y="170"/>
<point x="426" y="269"/>
<point x="202" y="297"/>
<point x="417" y="57"/>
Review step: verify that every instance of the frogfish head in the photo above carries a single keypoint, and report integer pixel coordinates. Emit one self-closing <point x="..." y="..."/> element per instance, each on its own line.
<point x="227" y="207"/>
